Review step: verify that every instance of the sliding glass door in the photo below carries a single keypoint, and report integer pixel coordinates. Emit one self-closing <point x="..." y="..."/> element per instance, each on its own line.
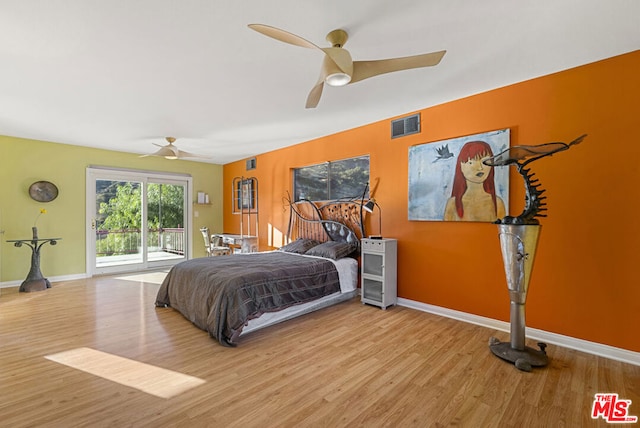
<point x="117" y="222"/>
<point x="166" y="237"/>
<point x="136" y="220"/>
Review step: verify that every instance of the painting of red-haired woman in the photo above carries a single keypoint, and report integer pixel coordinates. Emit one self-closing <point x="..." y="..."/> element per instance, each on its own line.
<point x="473" y="194"/>
<point x="448" y="181"/>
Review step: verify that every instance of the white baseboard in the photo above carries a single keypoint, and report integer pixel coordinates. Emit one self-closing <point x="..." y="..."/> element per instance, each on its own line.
<point x="9" y="284"/>
<point x="594" y="348"/>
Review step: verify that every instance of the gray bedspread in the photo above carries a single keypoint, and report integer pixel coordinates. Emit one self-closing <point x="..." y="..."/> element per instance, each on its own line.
<point x="220" y="294"/>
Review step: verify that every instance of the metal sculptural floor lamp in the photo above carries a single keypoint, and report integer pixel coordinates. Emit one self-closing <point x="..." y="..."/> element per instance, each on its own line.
<point x="518" y="242"/>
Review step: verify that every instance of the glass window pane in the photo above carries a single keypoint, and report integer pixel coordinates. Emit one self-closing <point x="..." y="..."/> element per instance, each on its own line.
<point x="345" y="178"/>
<point x="118" y="222"/>
<point x="311" y="183"/>
<point x="165" y="221"/>
<point x="349" y="178"/>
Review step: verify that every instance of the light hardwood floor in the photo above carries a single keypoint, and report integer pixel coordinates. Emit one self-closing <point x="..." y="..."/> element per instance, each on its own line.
<point x="347" y="365"/>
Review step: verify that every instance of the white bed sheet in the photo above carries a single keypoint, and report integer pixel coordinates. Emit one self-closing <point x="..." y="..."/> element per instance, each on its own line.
<point x="348" y="276"/>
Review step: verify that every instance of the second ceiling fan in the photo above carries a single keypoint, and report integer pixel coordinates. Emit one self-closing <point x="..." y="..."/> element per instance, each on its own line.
<point x="338" y="69"/>
<point x="169" y="151"/>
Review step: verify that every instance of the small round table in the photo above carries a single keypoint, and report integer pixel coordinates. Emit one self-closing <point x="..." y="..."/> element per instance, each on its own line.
<point x="35" y="281"/>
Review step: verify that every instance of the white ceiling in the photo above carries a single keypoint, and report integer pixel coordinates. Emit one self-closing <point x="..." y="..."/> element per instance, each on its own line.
<point x="123" y="74"/>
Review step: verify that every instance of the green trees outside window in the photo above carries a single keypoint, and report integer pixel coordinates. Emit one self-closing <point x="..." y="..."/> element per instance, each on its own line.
<point x="119" y="221"/>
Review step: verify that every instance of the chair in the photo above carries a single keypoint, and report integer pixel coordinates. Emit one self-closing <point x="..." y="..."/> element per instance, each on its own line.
<point x="213" y="248"/>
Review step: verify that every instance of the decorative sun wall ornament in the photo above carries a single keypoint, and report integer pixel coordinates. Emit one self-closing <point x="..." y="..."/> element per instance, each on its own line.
<point x="521" y="156"/>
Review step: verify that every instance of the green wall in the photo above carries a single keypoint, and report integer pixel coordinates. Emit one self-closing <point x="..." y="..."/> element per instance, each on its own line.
<point x="23" y="162"/>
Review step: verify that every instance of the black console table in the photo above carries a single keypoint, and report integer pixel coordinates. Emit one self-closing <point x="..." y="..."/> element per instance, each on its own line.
<point x="35" y="281"/>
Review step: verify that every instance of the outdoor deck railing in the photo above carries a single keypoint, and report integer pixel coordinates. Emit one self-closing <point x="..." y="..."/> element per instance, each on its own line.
<point x="128" y="241"/>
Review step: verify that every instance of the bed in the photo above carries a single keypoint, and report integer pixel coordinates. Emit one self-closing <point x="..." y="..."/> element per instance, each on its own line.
<point x="228" y="296"/>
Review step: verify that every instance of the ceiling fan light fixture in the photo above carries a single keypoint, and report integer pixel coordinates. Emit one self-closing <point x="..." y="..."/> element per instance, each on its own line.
<point x="337" y="79"/>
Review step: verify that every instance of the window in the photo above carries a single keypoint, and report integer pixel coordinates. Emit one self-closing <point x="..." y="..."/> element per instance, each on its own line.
<point x="345" y="178"/>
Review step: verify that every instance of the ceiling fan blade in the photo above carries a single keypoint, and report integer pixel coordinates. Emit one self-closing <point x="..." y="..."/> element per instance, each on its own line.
<point x="328" y="66"/>
<point x="160" y="153"/>
<point x="283" y="36"/>
<point x="183" y="154"/>
<point x="365" y="69"/>
<point x="314" y="96"/>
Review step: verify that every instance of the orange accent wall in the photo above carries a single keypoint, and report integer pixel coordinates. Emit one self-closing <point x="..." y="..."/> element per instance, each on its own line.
<point x="585" y="277"/>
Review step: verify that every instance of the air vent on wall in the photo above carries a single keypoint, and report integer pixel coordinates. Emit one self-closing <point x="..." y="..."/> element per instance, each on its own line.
<point x="251" y="164"/>
<point x="405" y="126"/>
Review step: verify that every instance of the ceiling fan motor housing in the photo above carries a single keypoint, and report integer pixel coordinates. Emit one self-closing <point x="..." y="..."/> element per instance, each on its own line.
<point x="337" y="66"/>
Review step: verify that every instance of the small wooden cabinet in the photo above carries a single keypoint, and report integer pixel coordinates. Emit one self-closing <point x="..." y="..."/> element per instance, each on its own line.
<point x="379" y="272"/>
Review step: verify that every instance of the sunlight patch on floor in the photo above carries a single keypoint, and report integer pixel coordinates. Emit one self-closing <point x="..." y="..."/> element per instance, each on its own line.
<point x="153" y="380"/>
<point x="150" y="277"/>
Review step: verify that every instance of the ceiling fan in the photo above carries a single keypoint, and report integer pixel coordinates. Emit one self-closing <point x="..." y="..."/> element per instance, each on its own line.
<point x="338" y="69"/>
<point x="170" y="151"/>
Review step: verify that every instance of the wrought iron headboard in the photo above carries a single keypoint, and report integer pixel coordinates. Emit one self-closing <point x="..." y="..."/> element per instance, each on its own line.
<point x="338" y="220"/>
